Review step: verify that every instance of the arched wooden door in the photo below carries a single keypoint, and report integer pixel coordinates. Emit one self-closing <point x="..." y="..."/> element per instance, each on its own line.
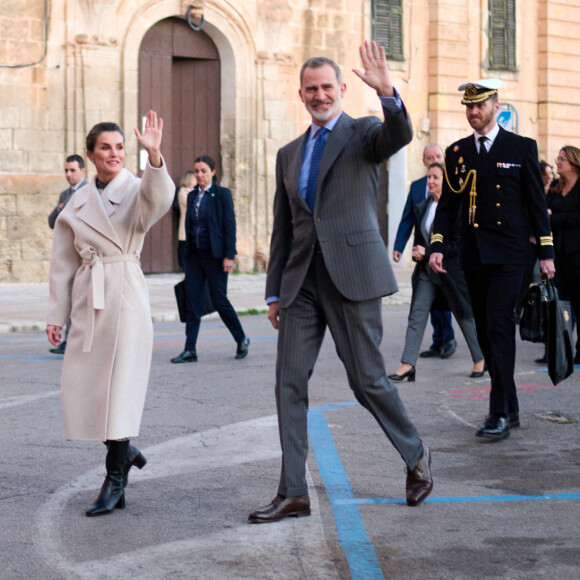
<point x="179" y="77"/>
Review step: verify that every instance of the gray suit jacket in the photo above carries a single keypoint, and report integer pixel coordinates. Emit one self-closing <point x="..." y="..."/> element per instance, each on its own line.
<point x="63" y="199"/>
<point x="345" y="213"/>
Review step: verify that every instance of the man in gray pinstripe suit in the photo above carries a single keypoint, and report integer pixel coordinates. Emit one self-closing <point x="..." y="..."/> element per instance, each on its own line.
<point x="329" y="268"/>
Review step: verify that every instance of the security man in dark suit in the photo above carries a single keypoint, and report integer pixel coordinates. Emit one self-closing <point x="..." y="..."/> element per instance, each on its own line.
<point x="493" y="178"/>
<point x="74" y="171"/>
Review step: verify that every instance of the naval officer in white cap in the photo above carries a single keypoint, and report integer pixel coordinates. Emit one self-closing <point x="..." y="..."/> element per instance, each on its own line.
<point x="493" y="178"/>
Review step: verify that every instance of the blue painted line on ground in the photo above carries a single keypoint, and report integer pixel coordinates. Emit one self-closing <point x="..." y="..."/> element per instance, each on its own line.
<point x="360" y="554"/>
<point x="464" y="499"/>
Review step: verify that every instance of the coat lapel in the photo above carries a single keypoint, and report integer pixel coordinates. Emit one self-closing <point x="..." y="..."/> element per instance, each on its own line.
<point x="295" y="159"/>
<point x="92" y="211"/>
<point x="117" y="189"/>
<point x="498" y="144"/>
<point x="471" y="153"/>
<point x="337" y="140"/>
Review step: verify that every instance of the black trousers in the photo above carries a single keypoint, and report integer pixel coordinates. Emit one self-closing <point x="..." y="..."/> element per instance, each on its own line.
<point x="528" y="276"/>
<point x="442" y="327"/>
<point x="494" y="290"/>
<point x="199" y="267"/>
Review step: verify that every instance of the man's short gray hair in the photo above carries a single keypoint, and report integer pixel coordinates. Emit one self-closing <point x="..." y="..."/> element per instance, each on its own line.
<point x="320" y="61"/>
<point x="432" y="145"/>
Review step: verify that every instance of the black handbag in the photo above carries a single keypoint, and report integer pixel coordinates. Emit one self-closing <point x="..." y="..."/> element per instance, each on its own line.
<point x="533" y="320"/>
<point x="179" y="290"/>
<point x="207" y="306"/>
<point x="559" y="336"/>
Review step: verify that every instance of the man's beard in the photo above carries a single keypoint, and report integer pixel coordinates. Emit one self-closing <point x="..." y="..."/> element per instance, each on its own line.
<point x="324" y="116"/>
<point x="483" y="122"/>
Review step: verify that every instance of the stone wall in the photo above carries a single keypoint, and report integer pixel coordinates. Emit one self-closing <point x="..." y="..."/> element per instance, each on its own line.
<point x="53" y="89"/>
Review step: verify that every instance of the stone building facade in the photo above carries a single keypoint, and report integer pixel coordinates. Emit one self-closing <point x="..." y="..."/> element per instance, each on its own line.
<point x="67" y="64"/>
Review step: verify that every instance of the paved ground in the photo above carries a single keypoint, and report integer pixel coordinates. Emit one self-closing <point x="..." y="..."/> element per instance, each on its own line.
<point x="499" y="510"/>
<point x="23" y="306"/>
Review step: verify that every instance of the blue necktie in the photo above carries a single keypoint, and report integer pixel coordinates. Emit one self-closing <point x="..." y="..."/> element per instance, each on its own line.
<point x="314" y="166"/>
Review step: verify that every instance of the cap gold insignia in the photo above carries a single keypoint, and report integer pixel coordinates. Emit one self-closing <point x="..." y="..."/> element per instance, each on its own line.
<point x="470" y="90"/>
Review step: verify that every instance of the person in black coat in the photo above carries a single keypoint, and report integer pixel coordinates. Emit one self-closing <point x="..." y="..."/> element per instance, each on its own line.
<point x="210" y="229"/>
<point x="564" y="209"/>
<point x="427" y="285"/>
<point x="493" y="178"/>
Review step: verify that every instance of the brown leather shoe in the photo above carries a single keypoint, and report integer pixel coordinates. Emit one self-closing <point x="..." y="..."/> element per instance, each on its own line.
<point x="419" y="480"/>
<point x="280" y="508"/>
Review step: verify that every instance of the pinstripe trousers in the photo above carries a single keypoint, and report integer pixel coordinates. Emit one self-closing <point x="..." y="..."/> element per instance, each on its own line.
<point x="356" y="328"/>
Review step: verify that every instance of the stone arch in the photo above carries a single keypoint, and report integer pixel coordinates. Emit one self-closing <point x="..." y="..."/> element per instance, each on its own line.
<point x="230" y="33"/>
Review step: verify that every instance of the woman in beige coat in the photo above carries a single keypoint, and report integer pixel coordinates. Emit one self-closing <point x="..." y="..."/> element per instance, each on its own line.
<point x="96" y="279"/>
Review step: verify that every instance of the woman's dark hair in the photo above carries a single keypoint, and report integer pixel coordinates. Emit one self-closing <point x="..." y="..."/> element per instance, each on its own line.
<point x="437" y="164"/>
<point x="544" y="165"/>
<point x="209" y="162"/>
<point x="99" y="128"/>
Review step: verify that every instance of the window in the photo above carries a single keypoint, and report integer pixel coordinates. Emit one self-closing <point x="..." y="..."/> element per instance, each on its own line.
<point x="388" y="27"/>
<point x="502" y="34"/>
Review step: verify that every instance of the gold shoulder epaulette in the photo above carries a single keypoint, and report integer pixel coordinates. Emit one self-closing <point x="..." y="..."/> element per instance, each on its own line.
<point x="546" y="241"/>
<point x="436" y="238"/>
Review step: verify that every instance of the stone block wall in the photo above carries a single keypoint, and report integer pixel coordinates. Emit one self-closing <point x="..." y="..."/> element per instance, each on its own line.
<point x="54" y="88"/>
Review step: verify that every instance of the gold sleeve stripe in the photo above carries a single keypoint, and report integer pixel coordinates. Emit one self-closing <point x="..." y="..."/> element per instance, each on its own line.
<point x="436" y="238"/>
<point x="546" y="241"/>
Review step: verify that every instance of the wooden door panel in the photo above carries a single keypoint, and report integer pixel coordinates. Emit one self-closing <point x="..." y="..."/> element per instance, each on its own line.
<point x="196" y="95"/>
<point x="179" y="78"/>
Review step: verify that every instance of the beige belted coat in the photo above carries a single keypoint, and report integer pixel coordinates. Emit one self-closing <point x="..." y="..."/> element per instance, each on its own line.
<point x="96" y="279"/>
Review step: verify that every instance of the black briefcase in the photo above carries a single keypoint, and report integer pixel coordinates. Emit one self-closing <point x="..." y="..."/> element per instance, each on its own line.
<point x="179" y="289"/>
<point x="534" y="317"/>
<point x="559" y="336"/>
<point x="207" y="306"/>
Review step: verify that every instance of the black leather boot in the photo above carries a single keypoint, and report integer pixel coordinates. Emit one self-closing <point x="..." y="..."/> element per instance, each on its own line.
<point x="134" y="457"/>
<point x="112" y="493"/>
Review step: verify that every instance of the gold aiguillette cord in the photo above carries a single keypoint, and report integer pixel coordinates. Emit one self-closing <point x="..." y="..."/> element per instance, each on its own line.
<point x="472" y="192"/>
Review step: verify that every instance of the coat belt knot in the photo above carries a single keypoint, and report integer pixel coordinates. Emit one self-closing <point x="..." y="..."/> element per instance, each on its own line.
<point x="96" y="294"/>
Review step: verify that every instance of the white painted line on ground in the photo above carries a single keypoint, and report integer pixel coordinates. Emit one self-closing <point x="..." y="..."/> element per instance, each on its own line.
<point x="295" y="548"/>
<point x="6" y="402"/>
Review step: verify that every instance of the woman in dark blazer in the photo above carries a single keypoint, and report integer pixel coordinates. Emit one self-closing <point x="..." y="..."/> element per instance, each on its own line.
<point x="427" y="285"/>
<point x="564" y="208"/>
<point x="210" y="230"/>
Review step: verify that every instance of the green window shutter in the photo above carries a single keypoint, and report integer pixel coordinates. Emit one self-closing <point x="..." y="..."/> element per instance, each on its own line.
<point x="388" y="27"/>
<point x="502" y="34"/>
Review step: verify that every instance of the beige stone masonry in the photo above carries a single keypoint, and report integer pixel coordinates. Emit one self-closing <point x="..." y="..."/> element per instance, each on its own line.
<point x="90" y="73"/>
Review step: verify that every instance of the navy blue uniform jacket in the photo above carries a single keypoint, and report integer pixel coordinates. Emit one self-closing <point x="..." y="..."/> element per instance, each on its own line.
<point x="509" y="207"/>
<point x="221" y="221"/>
